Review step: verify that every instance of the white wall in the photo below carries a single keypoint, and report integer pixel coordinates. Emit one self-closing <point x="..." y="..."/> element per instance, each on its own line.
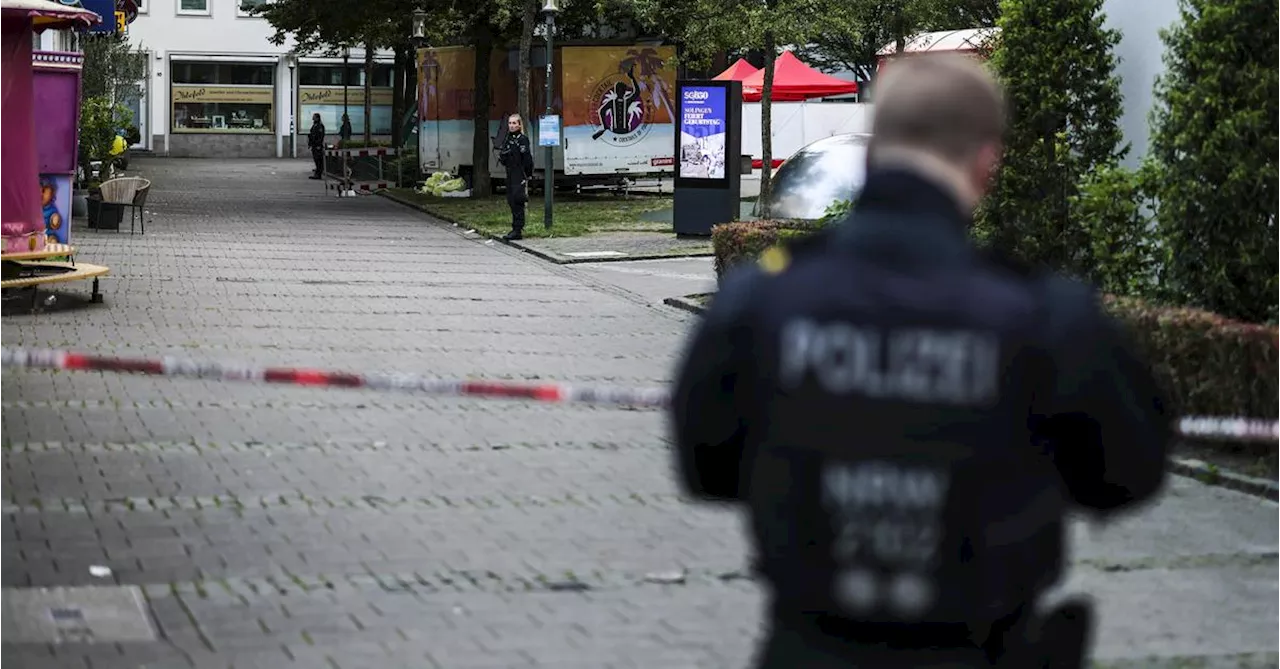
<point x="1140" y="52"/>
<point x="160" y="30"/>
<point x="796" y="125"/>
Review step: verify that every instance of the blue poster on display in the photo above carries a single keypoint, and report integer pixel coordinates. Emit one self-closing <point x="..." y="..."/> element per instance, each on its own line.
<point x="703" y="132"/>
<point x="549" y="130"/>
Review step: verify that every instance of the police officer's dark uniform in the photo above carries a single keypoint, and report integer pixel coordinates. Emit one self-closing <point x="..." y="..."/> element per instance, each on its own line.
<point x="315" y="142"/>
<point x="907" y="423"/>
<point x="517" y="157"/>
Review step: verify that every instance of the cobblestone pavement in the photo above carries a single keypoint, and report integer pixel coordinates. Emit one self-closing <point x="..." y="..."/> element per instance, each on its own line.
<point x="281" y="526"/>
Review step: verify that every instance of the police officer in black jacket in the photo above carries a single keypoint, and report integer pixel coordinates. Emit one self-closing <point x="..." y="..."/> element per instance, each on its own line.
<point x="315" y="142"/>
<point x="907" y="421"/>
<point x="517" y="157"/>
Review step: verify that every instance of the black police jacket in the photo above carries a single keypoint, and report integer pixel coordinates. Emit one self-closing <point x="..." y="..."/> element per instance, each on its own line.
<point x="517" y="157"/>
<point x="908" y="421"/>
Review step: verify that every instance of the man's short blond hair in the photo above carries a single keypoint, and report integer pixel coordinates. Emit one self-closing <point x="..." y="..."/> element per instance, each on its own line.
<point x="944" y="104"/>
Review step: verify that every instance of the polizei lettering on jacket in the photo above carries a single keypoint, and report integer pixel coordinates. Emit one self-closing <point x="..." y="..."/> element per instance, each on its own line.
<point x="921" y="365"/>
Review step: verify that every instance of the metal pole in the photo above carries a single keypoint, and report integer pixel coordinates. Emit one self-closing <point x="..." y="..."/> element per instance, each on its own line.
<point x="293" y="129"/>
<point x="549" y="162"/>
<point x="342" y="141"/>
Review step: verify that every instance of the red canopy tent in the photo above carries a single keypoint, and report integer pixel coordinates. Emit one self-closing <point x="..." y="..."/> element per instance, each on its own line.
<point x="738" y="71"/>
<point x="794" y="81"/>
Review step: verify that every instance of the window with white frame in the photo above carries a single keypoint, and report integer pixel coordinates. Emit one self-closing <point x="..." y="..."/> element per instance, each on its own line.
<point x="245" y="7"/>
<point x="196" y="7"/>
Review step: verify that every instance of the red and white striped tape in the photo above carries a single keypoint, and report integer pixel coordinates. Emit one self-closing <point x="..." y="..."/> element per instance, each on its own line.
<point x="205" y="369"/>
<point x="1241" y="429"/>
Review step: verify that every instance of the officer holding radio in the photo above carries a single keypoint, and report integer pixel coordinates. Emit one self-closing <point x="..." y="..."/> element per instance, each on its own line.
<point x="907" y="421"/>
<point x="517" y="157"/>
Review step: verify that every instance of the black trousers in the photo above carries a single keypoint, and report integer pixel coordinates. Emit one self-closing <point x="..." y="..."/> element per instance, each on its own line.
<point x="517" y="195"/>
<point x="318" y="156"/>
<point x="820" y="642"/>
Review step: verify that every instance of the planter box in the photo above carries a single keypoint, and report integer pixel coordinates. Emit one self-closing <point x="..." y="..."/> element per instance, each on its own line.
<point x="105" y="215"/>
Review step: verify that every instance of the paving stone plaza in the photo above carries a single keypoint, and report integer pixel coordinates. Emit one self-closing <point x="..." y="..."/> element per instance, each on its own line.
<point x="190" y="523"/>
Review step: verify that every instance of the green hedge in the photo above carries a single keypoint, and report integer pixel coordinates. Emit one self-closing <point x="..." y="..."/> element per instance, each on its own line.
<point x="1209" y="365"/>
<point x="744" y="241"/>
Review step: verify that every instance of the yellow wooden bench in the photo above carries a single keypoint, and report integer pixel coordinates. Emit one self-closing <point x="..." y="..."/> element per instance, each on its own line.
<point x="49" y="251"/>
<point x="41" y="273"/>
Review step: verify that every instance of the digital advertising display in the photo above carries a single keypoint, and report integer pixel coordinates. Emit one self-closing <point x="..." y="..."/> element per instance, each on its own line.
<point x="703" y="133"/>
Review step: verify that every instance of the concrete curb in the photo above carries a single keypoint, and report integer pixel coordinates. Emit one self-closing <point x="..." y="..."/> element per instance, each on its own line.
<point x="1211" y="475"/>
<point x="685" y="303"/>
<point x="1195" y="469"/>
<point x="543" y="255"/>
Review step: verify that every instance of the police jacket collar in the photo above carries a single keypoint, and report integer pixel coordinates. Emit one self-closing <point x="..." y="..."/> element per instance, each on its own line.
<point x="904" y="191"/>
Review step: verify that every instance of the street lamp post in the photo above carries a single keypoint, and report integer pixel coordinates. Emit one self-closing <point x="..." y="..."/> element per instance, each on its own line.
<point x="346" y="76"/>
<point x="419" y="39"/>
<point x="419" y="36"/>
<point x="549" y="8"/>
<point x="342" y="123"/>
<point x="291" y="61"/>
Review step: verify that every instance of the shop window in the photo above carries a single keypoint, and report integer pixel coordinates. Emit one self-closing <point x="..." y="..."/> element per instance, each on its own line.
<point x="196" y="7"/>
<point x="227" y="74"/>
<point x="222" y="97"/>
<point x="331" y="75"/>
<point x="246" y="7"/>
<point x="320" y="91"/>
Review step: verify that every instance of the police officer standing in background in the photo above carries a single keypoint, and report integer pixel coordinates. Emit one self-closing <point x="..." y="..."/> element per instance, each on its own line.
<point x="517" y="157"/>
<point x="315" y="142"/>
<point x="907" y="421"/>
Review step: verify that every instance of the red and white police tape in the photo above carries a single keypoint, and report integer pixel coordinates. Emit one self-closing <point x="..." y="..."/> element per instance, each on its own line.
<point x="207" y="369"/>
<point x="1241" y="429"/>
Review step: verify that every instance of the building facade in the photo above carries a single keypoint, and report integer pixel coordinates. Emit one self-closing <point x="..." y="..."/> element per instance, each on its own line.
<point x="217" y="87"/>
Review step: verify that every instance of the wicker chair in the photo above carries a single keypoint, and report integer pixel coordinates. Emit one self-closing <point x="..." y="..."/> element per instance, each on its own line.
<point x="128" y="192"/>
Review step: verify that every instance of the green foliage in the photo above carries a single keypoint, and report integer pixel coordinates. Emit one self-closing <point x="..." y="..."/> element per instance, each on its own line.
<point x="406" y="167"/>
<point x="744" y="241"/>
<point x="99" y="120"/>
<point x="1215" y="136"/>
<point x="1055" y="60"/>
<point x="112" y="69"/>
<point x="1113" y="209"/>
<point x="866" y="26"/>
<point x="741" y="241"/>
<point x="836" y="211"/>
<point x="1208" y="365"/>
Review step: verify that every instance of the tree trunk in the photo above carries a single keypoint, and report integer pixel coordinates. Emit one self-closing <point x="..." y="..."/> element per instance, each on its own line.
<point x="400" y="73"/>
<point x="528" y="21"/>
<point x="409" y="93"/>
<point x="480" y="186"/>
<point x="766" y="126"/>
<point x="368" y="93"/>
<point x="899" y="30"/>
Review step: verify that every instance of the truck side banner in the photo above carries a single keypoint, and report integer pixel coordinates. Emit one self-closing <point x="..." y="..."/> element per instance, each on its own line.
<point x="615" y="102"/>
<point x="618" y="109"/>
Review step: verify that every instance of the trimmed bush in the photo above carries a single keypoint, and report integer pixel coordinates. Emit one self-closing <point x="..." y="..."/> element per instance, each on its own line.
<point x="1208" y="365"/>
<point x="744" y="241"/>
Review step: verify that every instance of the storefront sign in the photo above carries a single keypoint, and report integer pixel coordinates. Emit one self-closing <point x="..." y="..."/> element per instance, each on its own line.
<point x="332" y="95"/>
<point x="242" y="94"/>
